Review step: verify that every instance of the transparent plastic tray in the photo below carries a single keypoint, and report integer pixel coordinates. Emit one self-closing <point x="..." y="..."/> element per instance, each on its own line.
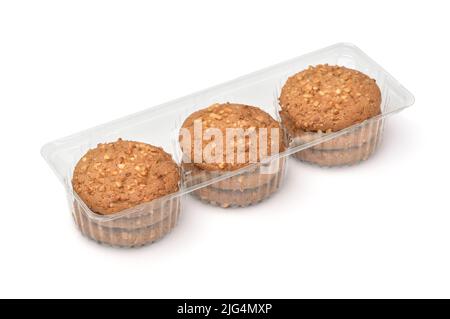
<point x="160" y="125"/>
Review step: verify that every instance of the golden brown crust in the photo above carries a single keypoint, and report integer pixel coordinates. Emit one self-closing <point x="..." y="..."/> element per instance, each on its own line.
<point x="328" y="97"/>
<point x="119" y="175"/>
<point x="230" y="115"/>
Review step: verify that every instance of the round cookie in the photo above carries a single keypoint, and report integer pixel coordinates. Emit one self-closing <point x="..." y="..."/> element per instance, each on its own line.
<point x="125" y="176"/>
<point x="228" y="116"/>
<point x="115" y="176"/>
<point x="246" y="188"/>
<point x="325" y="99"/>
<point x="328" y="97"/>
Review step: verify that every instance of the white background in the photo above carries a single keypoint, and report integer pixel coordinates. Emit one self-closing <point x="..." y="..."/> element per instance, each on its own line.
<point x="379" y="229"/>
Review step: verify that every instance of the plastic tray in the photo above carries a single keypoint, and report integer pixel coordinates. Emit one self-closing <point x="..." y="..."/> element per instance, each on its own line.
<point x="159" y="126"/>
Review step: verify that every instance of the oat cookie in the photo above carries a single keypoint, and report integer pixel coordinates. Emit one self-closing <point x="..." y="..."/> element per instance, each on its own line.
<point x="325" y="99"/>
<point x="125" y="176"/>
<point x="243" y="189"/>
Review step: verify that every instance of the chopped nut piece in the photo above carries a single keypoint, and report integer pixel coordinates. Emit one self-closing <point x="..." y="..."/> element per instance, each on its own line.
<point x="215" y="116"/>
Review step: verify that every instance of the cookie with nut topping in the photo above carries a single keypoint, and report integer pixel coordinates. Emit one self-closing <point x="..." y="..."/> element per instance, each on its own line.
<point x="211" y="131"/>
<point x="229" y="116"/>
<point x="120" y="176"/>
<point x="324" y="99"/>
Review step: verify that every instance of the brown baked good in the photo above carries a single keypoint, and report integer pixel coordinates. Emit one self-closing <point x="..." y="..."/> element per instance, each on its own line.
<point x="231" y="115"/>
<point x="238" y="190"/>
<point x="125" y="176"/>
<point x="119" y="175"/>
<point x="325" y="99"/>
